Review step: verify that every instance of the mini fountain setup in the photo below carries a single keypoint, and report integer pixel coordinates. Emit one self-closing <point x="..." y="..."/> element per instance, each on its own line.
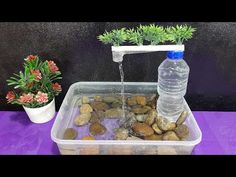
<point x="123" y="117"/>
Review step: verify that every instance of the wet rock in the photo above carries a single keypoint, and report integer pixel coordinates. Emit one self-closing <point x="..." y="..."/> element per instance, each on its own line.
<point x="131" y="101"/>
<point x="141" y="117"/>
<point x="94" y="117"/>
<point x="170" y="135"/>
<point x="130" y="115"/>
<point x="141" y="110"/>
<point x="98" y="98"/>
<point x="82" y="119"/>
<point x="131" y="119"/>
<point x="133" y="138"/>
<point x="152" y="114"/>
<point x="172" y="126"/>
<point x="153" y="137"/>
<point x="152" y="101"/>
<point x="70" y="134"/>
<point x="157" y="129"/>
<point x="164" y="124"/>
<point x="86" y="108"/>
<point x="101" y="114"/>
<point x="182" y="131"/>
<point x="182" y="118"/>
<point x="113" y="113"/>
<point x="116" y="105"/>
<point x="142" y="129"/>
<point x="110" y="99"/>
<point x="99" y="106"/>
<point x="147" y="107"/>
<point x="141" y="100"/>
<point x="88" y="138"/>
<point x="121" y="134"/>
<point x="85" y="100"/>
<point x="97" y="129"/>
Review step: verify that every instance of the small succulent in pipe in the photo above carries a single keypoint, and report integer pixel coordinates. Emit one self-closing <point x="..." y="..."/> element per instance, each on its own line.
<point x="152" y="34"/>
<point x="135" y="36"/>
<point x="116" y="37"/>
<point x="179" y="34"/>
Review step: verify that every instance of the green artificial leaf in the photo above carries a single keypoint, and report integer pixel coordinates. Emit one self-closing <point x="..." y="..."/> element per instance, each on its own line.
<point x="135" y="37"/>
<point x="116" y="37"/>
<point x="153" y="33"/>
<point x="179" y="34"/>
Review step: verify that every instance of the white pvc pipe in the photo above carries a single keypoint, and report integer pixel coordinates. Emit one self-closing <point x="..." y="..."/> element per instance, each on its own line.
<point x="120" y="51"/>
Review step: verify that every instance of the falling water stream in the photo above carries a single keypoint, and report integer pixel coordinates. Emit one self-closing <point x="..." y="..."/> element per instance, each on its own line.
<point x="122" y="93"/>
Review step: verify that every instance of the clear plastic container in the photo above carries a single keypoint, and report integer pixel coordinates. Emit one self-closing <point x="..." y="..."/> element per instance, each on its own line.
<point x="69" y="106"/>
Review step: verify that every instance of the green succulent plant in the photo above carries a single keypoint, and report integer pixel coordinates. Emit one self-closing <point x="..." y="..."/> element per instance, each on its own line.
<point x="153" y="33"/>
<point x="116" y="37"/>
<point x="179" y="34"/>
<point x="135" y="37"/>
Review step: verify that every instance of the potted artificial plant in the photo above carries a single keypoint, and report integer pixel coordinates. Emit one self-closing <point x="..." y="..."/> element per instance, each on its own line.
<point x="35" y="88"/>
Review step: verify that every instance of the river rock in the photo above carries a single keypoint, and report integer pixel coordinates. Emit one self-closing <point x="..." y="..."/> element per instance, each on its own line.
<point x="164" y="124"/>
<point x="142" y="129"/>
<point x="110" y="99"/>
<point x="101" y="114"/>
<point x="113" y="113"/>
<point x="152" y="114"/>
<point x="131" y="119"/>
<point x="85" y="100"/>
<point x="157" y="129"/>
<point x="170" y="135"/>
<point x="116" y="105"/>
<point x="152" y="101"/>
<point x="141" y="110"/>
<point x="82" y="119"/>
<point x="182" y="131"/>
<point x="86" y="108"/>
<point x="88" y="138"/>
<point x="141" y="117"/>
<point x="132" y="101"/>
<point x="99" y="106"/>
<point x="147" y="107"/>
<point x="153" y="137"/>
<point x="141" y="100"/>
<point x="182" y="118"/>
<point x="97" y="129"/>
<point x="94" y="117"/>
<point x="121" y="134"/>
<point x="70" y="134"/>
<point x="172" y="126"/>
<point x="98" y="98"/>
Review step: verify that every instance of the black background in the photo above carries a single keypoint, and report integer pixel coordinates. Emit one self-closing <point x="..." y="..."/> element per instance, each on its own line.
<point x="81" y="57"/>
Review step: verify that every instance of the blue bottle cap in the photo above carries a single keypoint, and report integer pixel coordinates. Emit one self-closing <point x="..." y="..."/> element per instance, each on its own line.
<point x="175" y="55"/>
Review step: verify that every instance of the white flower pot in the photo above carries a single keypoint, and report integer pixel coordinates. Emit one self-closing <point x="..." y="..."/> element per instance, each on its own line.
<point x="42" y="114"/>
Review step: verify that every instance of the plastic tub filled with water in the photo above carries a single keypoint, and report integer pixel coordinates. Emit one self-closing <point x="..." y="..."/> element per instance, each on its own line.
<point x="95" y="118"/>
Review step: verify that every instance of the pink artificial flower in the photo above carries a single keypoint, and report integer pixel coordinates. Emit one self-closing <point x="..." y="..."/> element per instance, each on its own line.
<point x="26" y="98"/>
<point x="41" y="97"/>
<point x="52" y="66"/>
<point x="31" y="58"/>
<point x="10" y="96"/>
<point x="56" y="87"/>
<point x="36" y="74"/>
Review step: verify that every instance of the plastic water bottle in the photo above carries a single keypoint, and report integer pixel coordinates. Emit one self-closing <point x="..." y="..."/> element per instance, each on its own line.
<point x="173" y="75"/>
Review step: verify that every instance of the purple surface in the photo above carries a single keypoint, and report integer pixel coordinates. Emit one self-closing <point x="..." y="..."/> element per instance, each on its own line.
<point x="19" y="136"/>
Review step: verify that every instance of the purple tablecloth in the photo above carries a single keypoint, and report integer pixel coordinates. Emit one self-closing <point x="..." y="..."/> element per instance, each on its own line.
<point x="19" y="136"/>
